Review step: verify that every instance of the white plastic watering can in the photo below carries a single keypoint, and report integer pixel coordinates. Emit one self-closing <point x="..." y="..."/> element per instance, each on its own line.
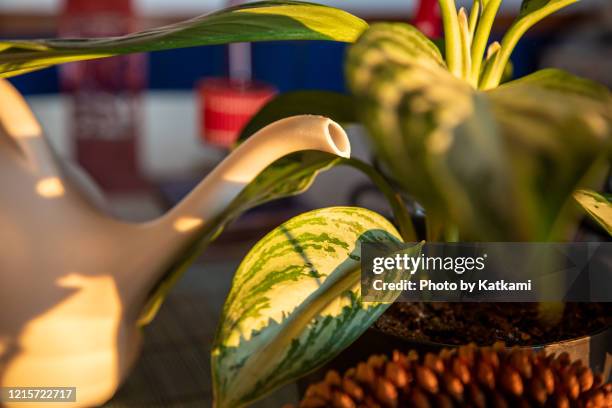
<point x="73" y="280"/>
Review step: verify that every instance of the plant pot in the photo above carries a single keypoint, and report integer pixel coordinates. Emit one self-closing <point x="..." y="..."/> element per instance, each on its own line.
<point x="594" y="350"/>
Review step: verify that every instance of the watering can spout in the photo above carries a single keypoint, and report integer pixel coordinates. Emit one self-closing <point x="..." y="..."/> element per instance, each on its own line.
<point x="281" y="138"/>
<point x="168" y="236"/>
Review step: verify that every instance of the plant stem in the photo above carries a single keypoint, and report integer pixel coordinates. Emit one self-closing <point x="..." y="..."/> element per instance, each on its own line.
<point x="452" y="36"/>
<point x="492" y="50"/>
<point x="474" y="16"/>
<point x="481" y="37"/>
<point x="402" y="217"/>
<point x="492" y="77"/>
<point x="466" y="39"/>
<point x="492" y="53"/>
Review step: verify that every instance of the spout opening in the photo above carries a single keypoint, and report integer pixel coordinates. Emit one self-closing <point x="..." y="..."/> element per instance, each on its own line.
<point x="338" y="139"/>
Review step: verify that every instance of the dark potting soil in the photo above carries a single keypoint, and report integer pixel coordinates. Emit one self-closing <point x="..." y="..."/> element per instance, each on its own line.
<point x="485" y="323"/>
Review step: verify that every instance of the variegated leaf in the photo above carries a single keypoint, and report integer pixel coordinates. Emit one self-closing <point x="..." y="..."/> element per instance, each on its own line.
<point x="295" y="302"/>
<point x="429" y="127"/>
<point x="565" y="83"/>
<point x="558" y="133"/>
<point x="259" y="21"/>
<point x="501" y="164"/>
<point x="597" y="206"/>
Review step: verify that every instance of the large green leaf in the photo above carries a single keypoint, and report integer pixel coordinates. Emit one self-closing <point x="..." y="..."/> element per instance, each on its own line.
<point x="429" y="127"/>
<point x="336" y="106"/>
<point x="295" y="302"/>
<point x="502" y="164"/>
<point x="597" y="206"/>
<point x="261" y="21"/>
<point x="564" y="83"/>
<point x="558" y="133"/>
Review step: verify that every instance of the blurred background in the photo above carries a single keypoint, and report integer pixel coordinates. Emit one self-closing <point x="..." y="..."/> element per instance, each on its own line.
<point x="149" y="127"/>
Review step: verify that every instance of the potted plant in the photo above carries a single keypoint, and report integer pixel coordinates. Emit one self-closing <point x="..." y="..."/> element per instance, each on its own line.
<point x="470" y="152"/>
<point x="488" y="162"/>
<point x="487" y="176"/>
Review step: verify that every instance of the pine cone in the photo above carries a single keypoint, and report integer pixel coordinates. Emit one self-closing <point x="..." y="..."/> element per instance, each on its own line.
<point x="464" y="377"/>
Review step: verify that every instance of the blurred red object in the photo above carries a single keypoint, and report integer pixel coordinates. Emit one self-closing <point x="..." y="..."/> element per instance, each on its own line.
<point x="226" y="106"/>
<point x="105" y="120"/>
<point x="427" y="18"/>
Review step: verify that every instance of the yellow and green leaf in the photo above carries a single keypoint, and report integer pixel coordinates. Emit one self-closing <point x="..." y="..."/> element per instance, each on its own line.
<point x="259" y="21"/>
<point x="500" y="164"/>
<point x="295" y="302"/>
<point x="434" y="132"/>
<point x="532" y="12"/>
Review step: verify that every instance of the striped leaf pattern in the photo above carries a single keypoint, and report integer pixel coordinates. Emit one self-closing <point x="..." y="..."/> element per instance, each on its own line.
<point x="259" y="21"/>
<point x="429" y="126"/>
<point x="295" y="302"/>
<point x="501" y="164"/>
<point x="557" y="130"/>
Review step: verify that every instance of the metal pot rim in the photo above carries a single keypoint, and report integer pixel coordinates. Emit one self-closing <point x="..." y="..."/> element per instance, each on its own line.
<point x="566" y="342"/>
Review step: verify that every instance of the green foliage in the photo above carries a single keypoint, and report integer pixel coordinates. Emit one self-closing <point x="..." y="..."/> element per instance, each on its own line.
<point x="558" y="133"/>
<point x="500" y="164"/>
<point x="261" y="21"/>
<point x="532" y="11"/>
<point x="295" y="302"/>
<point x="564" y="82"/>
<point x="415" y="111"/>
